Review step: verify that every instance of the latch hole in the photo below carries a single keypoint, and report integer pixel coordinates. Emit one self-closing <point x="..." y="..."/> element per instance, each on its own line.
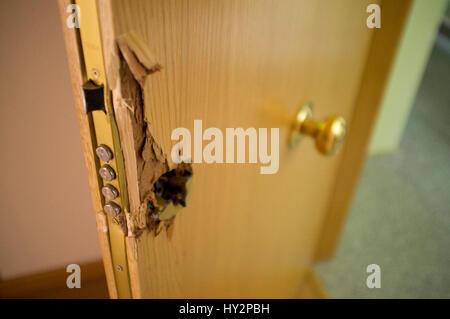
<point x="171" y="188"/>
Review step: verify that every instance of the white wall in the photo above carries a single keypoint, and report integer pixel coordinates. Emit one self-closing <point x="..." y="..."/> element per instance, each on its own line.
<point x="410" y="63"/>
<point x="46" y="216"/>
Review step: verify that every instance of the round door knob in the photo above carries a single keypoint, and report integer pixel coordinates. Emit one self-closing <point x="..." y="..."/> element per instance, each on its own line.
<point x="329" y="134"/>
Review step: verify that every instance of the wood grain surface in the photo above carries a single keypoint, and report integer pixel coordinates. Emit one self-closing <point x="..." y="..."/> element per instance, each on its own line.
<point x="243" y="64"/>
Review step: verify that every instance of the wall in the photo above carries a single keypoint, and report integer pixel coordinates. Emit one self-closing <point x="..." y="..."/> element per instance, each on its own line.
<point x="406" y="75"/>
<point x="46" y="217"/>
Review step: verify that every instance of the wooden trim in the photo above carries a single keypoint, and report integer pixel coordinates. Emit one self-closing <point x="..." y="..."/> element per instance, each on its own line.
<point x="374" y="80"/>
<point x="52" y="284"/>
<point x="75" y="61"/>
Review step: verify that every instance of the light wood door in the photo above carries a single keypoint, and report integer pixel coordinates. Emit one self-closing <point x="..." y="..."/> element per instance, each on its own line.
<point x="242" y="64"/>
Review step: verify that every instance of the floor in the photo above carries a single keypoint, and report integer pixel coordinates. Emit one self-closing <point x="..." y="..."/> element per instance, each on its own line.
<point x="400" y="218"/>
<point x="52" y="284"/>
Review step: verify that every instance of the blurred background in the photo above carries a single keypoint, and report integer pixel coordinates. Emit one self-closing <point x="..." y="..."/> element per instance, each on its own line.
<point x="400" y="218"/>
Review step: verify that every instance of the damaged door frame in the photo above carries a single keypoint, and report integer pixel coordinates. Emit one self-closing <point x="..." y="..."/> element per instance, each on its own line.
<point x="98" y="127"/>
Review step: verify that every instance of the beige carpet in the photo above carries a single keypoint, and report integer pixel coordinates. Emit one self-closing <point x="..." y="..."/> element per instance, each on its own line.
<point x="400" y="218"/>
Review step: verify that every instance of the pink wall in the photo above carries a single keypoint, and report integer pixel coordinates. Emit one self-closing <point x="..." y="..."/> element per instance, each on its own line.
<point x="46" y="217"/>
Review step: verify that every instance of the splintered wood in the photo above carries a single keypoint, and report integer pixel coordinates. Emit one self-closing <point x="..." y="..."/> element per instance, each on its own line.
<point x="145" y="161"/>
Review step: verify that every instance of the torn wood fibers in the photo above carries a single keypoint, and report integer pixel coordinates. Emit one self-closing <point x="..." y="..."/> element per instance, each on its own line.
<point x="145" y="161"/>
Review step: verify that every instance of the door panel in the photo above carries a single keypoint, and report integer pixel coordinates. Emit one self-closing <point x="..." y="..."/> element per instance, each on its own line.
<point x="245" y="64"/>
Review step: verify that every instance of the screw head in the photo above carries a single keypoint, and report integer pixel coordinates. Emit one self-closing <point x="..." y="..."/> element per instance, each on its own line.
<point x="107" y="172"/>
<point x="112" y="209"/>
<point x="95" y="73"/>
<point x="110" y="192"/>
<point x="104" y="153"/>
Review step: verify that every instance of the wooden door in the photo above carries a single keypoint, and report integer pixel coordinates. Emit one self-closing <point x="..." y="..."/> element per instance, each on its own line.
<point x="232" y="64"/>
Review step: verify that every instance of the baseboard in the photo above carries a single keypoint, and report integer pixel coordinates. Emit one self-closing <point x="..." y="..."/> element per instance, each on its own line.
<point x="52" y="284"/>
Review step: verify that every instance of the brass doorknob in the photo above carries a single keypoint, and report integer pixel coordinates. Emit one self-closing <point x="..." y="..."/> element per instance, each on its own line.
<point x="329" y="134"/>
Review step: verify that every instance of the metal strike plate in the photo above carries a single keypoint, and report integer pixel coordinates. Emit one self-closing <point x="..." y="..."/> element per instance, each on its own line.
<point x="104" y="132"/>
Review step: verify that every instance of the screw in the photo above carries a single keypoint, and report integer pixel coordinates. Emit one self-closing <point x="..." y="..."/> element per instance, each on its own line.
<point x="104" y="153"/>
<point x="107" y="172"/>
<point x="119" y="268"/>
<point x="95" y="73"/>
<point x="112" y="209"/>
<point x="110" y="192"/>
